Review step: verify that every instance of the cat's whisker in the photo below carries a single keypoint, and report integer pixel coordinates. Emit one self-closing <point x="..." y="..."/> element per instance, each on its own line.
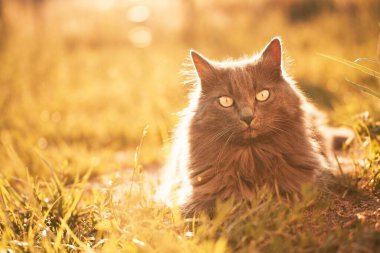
<point x="217" y="136"/>
<point x="280" y="129"/>
<point x="214" y="138"/>
<point x="218" y="159"/>
<point x="280" y="120"/>
<point x="275" y="130"/>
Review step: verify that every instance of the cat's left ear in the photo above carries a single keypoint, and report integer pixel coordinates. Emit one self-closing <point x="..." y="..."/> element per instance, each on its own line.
<point x="272" y="53"/>
<point x="202" y="65"/>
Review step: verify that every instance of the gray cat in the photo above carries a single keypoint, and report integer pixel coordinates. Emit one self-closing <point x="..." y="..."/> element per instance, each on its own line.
<point x="247" y="126"/>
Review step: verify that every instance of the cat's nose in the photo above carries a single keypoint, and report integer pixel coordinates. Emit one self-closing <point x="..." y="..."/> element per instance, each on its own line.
<point x="247" y="119"/>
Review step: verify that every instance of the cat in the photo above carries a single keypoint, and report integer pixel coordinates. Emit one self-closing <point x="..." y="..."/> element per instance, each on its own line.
<point x="247" y="126"/>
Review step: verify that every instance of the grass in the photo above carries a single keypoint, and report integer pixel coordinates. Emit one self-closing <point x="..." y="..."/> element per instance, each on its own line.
<point x="368" y="168"/>
<point x="364" y="69"/>
<point x="76" y="99"/>
<point x="80" y="217"/>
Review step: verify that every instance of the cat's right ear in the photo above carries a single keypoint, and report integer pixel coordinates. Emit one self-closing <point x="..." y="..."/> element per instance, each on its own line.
<point x="204" y="68"/>
<point x="272" y="53"/>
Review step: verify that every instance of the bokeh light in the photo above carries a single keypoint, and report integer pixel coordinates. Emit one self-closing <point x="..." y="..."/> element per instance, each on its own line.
<point x="140" y="36"/>
<point x="138" y="13"/>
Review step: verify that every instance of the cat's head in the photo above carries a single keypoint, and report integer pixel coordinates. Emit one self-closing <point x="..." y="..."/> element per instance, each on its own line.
<point x="247" y="99"/>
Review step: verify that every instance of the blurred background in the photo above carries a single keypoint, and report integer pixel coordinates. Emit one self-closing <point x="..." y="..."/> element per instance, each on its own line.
<point x="81" y="79"/>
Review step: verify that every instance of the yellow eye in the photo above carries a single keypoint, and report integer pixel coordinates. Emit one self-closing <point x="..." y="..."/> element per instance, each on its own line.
<point x="226" y="101"/>
<point x="262" y="95"/>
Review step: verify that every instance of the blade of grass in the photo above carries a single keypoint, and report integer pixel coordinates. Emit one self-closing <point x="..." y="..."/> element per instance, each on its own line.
<point x="75" y="238"/>
<point x="136" y="158"/>
<point x="71" y="209"/>
<point x="353" y="65"/>
<point x="365" y="89"/>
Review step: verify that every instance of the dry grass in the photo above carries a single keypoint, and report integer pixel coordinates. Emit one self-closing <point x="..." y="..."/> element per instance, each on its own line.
<point x="76" y="93"/>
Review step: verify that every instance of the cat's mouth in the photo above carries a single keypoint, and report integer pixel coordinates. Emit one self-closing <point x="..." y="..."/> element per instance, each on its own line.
<point x="249" y="133"/>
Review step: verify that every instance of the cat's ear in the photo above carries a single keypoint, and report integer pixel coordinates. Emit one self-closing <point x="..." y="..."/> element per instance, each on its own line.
<point x="202" y="65"/>
<point x="272" y="53"/>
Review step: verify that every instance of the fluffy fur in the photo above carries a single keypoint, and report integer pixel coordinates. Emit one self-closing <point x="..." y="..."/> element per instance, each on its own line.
<point x="216" y="155"/>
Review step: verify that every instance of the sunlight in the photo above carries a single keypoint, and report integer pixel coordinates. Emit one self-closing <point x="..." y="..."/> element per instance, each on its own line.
<point x="81" y="79"/>
<point x="138" y="13"/>
<point x="140" y="36"/>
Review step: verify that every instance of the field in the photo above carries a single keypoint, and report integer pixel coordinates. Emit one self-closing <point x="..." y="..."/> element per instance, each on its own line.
<point x="89" y="92"/>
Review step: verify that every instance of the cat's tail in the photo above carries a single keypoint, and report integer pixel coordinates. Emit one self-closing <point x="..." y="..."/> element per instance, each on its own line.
<point x="337" y="140"/>
<point x="340" y="137"/>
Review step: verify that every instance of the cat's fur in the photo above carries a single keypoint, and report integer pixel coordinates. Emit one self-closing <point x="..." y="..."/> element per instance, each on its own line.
<point x="218" y="156"/>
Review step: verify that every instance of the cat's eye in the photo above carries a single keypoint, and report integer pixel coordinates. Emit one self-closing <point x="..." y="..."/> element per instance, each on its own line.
<point x="262" y="95"/>
<point x="226" y="101"/>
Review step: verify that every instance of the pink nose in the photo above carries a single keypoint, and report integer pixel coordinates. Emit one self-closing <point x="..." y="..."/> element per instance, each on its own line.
<point x="247" y="119"/>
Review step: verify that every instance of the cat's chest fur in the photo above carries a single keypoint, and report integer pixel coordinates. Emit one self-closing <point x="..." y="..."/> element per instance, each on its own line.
<point x="235" y="171"/>
<point x="238" y="171"/>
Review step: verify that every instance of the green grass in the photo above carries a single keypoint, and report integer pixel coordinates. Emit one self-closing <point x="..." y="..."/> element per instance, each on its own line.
<point x="76" y="96"/>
